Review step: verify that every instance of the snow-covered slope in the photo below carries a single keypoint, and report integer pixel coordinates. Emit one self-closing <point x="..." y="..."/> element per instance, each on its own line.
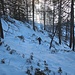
<point x="21" y="53"/>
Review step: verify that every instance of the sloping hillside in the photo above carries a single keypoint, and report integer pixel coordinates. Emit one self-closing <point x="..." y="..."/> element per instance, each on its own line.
<point x="21" y="53"/>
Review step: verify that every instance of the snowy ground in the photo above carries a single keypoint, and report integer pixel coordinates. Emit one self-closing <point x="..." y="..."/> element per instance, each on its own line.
<point x="21" y="52"/>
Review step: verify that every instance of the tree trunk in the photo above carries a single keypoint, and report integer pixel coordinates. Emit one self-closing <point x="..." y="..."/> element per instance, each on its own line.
<point x="2" y="2"/>
<point x="53" y="16"/>
<point x="27" y="11"/>
<point x="1" y="30"/>
<point x="33" y="15"/>
<point x="72" y="25"/>
<point x="44" y="14"/>
<point x="59" y="21"/>
<point x="19" y="13"/>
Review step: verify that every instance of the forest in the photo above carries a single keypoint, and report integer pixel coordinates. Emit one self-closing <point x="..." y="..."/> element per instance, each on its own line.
<point x="54" y="15"/>
<point x="41" y="27"/>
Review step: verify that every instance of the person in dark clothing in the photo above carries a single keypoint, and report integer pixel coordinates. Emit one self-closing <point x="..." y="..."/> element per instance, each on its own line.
<point x="39" y="39"/>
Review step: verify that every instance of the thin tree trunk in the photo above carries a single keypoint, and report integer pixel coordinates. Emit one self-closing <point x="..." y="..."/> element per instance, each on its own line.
<point x="19" y="12"/>
<point x="72" y="25"/>
<point x="59" y="21"/>
<point x="27" y="10"/>
<point x="14" y="10"/>
<point x="2" y="2"/>
<point x="67" y="29"/>
<point x="44" y="14"/>
<point x="53" y="37"/>
<point x="33" y="15"/>
<point x="1" y="30"/>
<point x="53" y="17"/>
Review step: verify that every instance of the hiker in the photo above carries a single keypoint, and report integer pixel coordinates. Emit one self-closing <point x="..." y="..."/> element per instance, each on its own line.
<point x="39" y="39"/>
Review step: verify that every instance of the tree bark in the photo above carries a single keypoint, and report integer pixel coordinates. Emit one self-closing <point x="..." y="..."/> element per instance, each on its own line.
<point x="53" y="16"/>
<point x="1" y="30"/>
<point x="2" y="2"/>
<point x="72" y="26"/>
<point x="27" y="10"/>
<point x="59" y="21"/>
<point x="44" y="14"/>
<point x="33" y="15"/>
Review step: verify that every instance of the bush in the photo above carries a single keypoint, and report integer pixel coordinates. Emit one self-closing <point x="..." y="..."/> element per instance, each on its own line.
<point x="8" y="48"/>
<point x="23" y="55"/>
<point x="31" y="67"/>
<point x="28" y="72"/>
<point x="31" y="56"/>
<point x="38" y="72"/>
<point x="12" y="51"/>
<point x="38" y="64"/>
<point x="45" y="63"/>
<point x="3" y="61"/>
<point x="59" y="70"/>
<point x="21" y="38"/>
<point x="28" y="61"/>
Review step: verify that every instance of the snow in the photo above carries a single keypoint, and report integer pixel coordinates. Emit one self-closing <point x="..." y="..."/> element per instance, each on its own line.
<point x="20" y="43"/>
